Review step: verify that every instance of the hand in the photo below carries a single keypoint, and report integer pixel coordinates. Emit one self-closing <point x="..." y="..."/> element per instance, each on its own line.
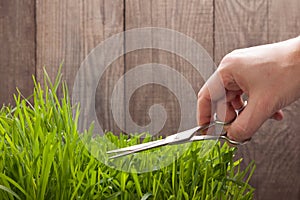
<point x="269" y="75"/>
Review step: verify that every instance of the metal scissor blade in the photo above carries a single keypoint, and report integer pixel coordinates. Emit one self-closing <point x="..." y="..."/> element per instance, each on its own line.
<point x="204" y="137"/>
<point x="131" y="148"/>
<point x="215" y="137"/>
<point x="178" y="137"/>
<point x="135" y="149"/>
<point x="183" y="136"/>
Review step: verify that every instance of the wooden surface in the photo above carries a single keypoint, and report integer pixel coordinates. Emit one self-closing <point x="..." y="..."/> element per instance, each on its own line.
<point x="17" y="52"/>
<point x="67" y="31"/>
<point x="275" y="148"/>
<point x="280" y="146"/>
<point x="38" y="33"/>
<point x="239" y="24"/>
<point x="193" y="18"/>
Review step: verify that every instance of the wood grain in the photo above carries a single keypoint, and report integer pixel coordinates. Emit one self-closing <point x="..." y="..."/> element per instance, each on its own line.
<point x="193" y="18"/>
<point x="67" y="31"/>
<point x="17" y="52"/>
<point x="239" y="24"/>
<point x="279" y="160"/>
<point x="275" y="147"/>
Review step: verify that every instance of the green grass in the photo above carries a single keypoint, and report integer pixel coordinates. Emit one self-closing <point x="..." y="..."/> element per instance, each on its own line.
<point x="44" y="157"/>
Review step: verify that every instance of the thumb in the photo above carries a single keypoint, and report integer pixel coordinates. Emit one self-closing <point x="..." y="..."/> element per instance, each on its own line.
<point x="249" y="121"/>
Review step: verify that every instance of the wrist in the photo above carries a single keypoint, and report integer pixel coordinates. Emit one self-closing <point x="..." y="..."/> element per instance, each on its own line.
<point x="293" y="54"/>
<point x="288" y="60"/>
<point x="296" y="56"/>
<point x="294" y="68"/>
<point x="297" y="43"/>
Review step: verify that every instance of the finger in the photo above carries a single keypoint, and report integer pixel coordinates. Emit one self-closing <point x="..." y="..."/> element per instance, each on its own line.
<point x="248" y="121"/>
<point x="232" y="94"/>
<point x="204" y="107"/>
<point x="237" y="103"/>
<point x="212" y="91"/>
<point x="278" y="115"/>
<point x="226" y="107"/>
<point x="225" y="111"/>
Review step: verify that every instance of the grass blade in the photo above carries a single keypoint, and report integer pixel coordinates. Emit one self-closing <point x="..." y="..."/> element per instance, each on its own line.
<point x="2" y="187"/>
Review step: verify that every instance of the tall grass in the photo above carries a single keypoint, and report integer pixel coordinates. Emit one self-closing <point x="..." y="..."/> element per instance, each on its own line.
<point x="43" y="157"/>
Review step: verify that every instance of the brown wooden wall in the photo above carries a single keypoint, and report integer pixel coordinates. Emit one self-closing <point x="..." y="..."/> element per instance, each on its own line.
<point x="34" y="33"/>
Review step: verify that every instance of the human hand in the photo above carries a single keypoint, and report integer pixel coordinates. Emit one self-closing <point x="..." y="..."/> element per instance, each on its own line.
<point x="267" y="74"/>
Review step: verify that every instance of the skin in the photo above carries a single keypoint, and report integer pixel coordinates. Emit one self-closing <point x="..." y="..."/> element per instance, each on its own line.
<point x="269" y="75"/>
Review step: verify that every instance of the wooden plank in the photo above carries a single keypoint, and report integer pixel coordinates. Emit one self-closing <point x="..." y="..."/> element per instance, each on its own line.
<point x="283" y="20"/>
<point x="67" y="31"/>
<point x="239" y="24"/>
<point x="275" y="147"/>
<point x="279" y="161"/>
<point x="137" y="15"/>
<point x="193" y="18"/>
<point x="17" y="52"/>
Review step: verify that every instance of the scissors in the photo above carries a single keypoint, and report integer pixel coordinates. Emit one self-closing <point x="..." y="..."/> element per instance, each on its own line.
<point x="183" y="137"/>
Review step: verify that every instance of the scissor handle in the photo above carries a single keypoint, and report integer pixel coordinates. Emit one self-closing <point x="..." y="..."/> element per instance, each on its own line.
<point x="233" y="142"/>
<point x="216" y="122"/>
<point x="238" y="112"/>
<point x="215" y="137"/>
<point x="182" y="137"/>
<point x="223" y="135"/>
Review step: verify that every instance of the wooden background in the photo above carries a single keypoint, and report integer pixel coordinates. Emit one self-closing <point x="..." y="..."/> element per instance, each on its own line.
<point x="34" y="33"/>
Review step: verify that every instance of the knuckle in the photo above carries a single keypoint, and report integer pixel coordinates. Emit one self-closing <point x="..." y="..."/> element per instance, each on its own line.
<point x="200" y="93"/>
<point x="267" y="106"/>
<point x="203" y="92"/>
<point x="240" y="132"/>
<point x="230" y="60"/>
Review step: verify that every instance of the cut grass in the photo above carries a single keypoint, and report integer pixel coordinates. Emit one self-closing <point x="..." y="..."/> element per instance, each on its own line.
<point x="44" y="157"/>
